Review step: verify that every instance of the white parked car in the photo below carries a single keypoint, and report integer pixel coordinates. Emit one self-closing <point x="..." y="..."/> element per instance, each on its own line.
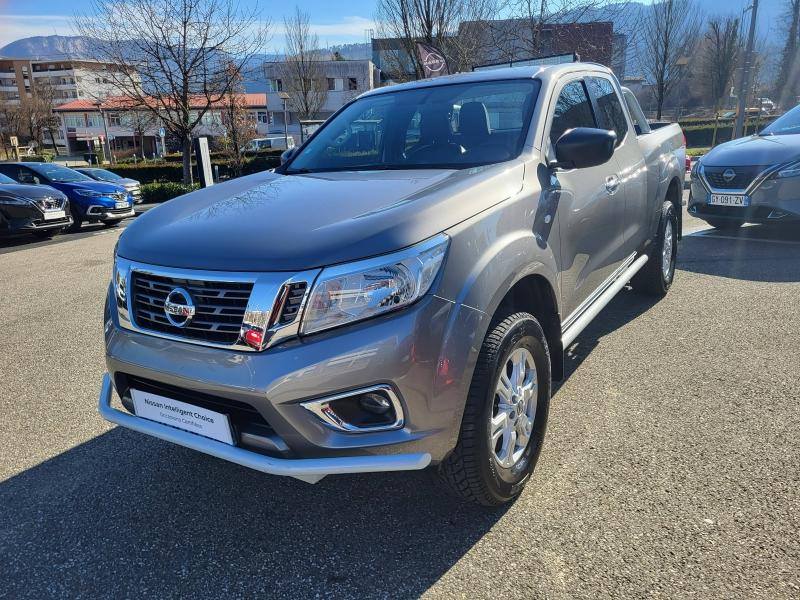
<point x="277" y="142"/>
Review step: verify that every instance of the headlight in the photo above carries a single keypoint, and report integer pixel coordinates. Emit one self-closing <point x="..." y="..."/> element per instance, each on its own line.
<point x="356" y="291"/>
<point x="118" y="278"/>
<point x="89" y="193"/>
<point x="791" y="170"/>
<point x="14" y="201"/>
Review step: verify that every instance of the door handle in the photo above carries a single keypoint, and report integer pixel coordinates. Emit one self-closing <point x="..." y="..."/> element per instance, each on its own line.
<point x="612" y="184"/>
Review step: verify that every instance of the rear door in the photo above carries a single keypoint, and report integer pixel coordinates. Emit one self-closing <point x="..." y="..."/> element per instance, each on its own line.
<point x="589" y="209"/>
<point x="631" y="163"/>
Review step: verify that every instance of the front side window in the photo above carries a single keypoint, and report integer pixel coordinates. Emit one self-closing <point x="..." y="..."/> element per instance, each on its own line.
<point x="573" y="109"/>
<point x="448" y="126"/>
<point x="610" y="112"/>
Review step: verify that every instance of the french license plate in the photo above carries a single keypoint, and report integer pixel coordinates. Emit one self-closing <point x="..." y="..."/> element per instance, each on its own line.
<point x="188" y="417"/>
<point x="122" y="204"/>
<point x="728" y="200"/>
<point x="52" y="215"/>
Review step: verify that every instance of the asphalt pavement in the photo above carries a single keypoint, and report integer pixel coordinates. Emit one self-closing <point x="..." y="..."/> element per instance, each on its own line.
<point x="670" y="468"/>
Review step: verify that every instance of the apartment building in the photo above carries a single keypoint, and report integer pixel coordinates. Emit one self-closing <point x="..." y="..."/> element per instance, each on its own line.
<point x="342" y="81"/>
<point x="133" y="130"/>
<point x="70" y="79"/>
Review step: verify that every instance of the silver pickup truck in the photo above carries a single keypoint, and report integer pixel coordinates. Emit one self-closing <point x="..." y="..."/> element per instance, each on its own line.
<point x="400" y="292"/>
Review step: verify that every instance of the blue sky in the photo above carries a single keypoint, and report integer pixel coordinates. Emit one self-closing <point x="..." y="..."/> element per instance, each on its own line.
<point x="333" y="22"/>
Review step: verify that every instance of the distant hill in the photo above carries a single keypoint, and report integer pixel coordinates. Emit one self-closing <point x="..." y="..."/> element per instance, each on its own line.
<point x="49" y="46"/>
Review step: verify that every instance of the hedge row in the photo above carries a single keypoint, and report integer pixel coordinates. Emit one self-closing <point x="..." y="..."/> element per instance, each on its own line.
<point x="699" y="137"/>
<point x="161" y="192"/>
<point x="165" y="171"/>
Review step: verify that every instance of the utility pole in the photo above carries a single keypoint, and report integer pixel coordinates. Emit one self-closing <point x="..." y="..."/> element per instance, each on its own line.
<point x="744" y="83"/>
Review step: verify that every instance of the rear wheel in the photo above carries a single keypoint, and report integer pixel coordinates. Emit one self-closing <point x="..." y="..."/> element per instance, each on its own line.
<point x="655" y="277"/>
<point x="505" y="416"/>
<point x="725" y="224"/>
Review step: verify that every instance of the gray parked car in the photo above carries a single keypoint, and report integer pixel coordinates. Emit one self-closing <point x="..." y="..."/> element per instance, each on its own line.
<point x="131" y="185"/>
<point x="397" y="296"/>
<point x="754" y="179"/>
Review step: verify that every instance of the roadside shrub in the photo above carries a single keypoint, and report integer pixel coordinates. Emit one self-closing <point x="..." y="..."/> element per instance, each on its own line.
<point x="161" y="192"/>
<point x="150" y="172"/>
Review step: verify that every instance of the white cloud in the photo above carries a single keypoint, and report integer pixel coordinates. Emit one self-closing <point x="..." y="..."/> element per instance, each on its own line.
<point x="21" y="26"/>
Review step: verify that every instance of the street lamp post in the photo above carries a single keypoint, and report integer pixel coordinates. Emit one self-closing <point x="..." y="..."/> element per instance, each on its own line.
<point x="284" y="96"/>
<point x="744" y="84"/>
<point x="107" y="144"/>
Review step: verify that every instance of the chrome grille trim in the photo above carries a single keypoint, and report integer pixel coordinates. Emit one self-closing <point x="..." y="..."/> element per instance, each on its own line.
<point x="756" y="181"/>
<point x="254" y="304"/>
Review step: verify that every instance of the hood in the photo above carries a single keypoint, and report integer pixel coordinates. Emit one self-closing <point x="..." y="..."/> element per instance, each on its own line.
<point x="272" y="222"/>
<point x="127" y="182"/>
<point x="98" y="186"/>
<point x="30" y="192"/>
<point x="755" y="151"/>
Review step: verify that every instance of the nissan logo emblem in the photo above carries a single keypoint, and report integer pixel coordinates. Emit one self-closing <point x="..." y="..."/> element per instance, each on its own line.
<point x="729" y="175"/>
<point x="179" y="307"/>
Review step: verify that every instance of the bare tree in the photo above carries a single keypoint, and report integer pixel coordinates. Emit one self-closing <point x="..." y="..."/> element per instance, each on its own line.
<point x="11" y="120"/>
<point x="670" y="35"/>
<point x="435" y="22"/>
<point x="723" y="45"/>
<point x="238" y="125"/>
<point x="178" y="52"/>
<point x="789" y="76"/>
<point x="139" y="121"/>
<point x="301" y="71"/>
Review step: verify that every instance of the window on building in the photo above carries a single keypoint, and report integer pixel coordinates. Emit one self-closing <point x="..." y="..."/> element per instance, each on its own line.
<point x="331" y="84"/>
<point x="275" y="85"/>
<point x="262" y="117"/>
<point x="573" y="109"/>
<point x="352" y="84"/>
<point x="94" y="121"/>
<point x="73" y="121"/>
<point x="115" y="120"/>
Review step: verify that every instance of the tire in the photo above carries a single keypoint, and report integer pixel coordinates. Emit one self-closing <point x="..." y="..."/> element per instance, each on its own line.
<point x="474" y="469"/>
<point x="77" y="220"/>
<point x="725" y="224"/>
<point x="111" y="223"/>
<point x="655" y="277"/>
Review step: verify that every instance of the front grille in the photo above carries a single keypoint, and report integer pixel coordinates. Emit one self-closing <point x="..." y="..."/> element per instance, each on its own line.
<point x="743" y="177"/>
<point x="294" y="299"/>
<point x="219" y="305"/>
<point x="50" y="203"/>
<point x="115" y="211"/>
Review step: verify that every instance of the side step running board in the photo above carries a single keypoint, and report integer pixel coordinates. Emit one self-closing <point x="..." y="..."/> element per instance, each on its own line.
<point x="570" y="333"/>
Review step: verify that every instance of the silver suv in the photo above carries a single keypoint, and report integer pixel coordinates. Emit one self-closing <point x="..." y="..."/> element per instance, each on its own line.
<point x="399" y="293"/>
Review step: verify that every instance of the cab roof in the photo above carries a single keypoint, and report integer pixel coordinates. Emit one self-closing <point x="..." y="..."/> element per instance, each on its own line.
<point x="504" y="73"/>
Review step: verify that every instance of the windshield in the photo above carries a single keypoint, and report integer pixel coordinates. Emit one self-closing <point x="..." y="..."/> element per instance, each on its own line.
<point x="5" y="179"/>
<point x="58" y="173"/>
<point x="442" y="127"/>
<point x="784" y="125"/>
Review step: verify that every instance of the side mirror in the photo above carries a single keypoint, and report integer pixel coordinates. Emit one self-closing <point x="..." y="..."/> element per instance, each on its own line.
<point x="288" y="154"/>
<point x="583" y="147"/>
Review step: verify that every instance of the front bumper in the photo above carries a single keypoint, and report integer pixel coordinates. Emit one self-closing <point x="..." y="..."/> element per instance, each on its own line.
<point x="26" y="219"/>
<point x="425" y="353"/>
<point x="105" y="213"/>
<point x="310" y="470"/>
<point x="771" y="201"/>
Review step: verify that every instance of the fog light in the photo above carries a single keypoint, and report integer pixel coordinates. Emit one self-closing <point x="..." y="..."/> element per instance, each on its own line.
<point x="375" y="403"/>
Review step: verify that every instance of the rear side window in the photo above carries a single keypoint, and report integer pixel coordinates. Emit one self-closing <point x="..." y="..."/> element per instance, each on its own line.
<point x="573" y="109"/>
<point x="609" y="108"/>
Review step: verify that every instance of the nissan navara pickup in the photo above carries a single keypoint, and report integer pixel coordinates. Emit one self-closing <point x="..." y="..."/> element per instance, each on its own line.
<point x="400" y="292"/>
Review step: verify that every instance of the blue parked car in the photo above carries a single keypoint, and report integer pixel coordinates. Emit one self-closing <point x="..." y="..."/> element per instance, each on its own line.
<point x="90" y="200"/>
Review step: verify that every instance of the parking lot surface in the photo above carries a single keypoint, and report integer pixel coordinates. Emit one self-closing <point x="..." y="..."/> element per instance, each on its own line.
<point x="670" y="468"/>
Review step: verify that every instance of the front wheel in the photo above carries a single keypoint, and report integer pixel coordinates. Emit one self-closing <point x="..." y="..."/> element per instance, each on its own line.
<point x="655" y="277"/>
<point x="505" y="416"/>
